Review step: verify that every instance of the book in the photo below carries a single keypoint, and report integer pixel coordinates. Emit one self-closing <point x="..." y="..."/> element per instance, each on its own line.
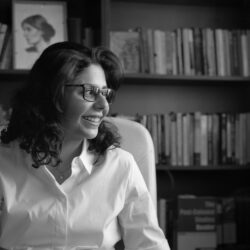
<point x="187" y="57"/>
<point x="179" y="132"/>
<point x="162" y="214"/>
<point x="179" y="51"/>
<point x="242" y="217"/>
<point x="6" y="55"/>
<point x="144" y="50"/>
<point x="154" y="134"/>
<point x="223" y="149"/>
<point x="160" y="134"/>
<point x="197" y="138"/>
<point x="75" y="29"/>
<point x="235" y="53"/>
<point x="196" y="222"/>
<point x="150" y="43"/>
<point x="229" y="220"/>
<point x="88" y="37"/>
<point x="171" y="67"/>
<point x="198" y="55"/>
<point x="167" y="136"/>
<point x="244" y="53"/>
<point x="209" y="139"/>
<point x="3" y="31"/>
<point x="248" y="136"/>
<point x="215" y="138"/>
<point x="125" y="44"/>
<point x="226" y="48"/>
<point x="204" y="139"/>
<point x="159" y="38"/>
<point x="210" y="52"/>
<point x="173" y="138"/>
<point x="187" y="139"/>
<point x="220" y="52"/>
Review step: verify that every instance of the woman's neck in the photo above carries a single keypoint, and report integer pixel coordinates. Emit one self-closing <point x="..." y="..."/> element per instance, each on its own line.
<point x="70" y="149"/>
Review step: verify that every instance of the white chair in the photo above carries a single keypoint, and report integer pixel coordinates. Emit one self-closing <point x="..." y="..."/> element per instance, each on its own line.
<point x="136" y="139"/>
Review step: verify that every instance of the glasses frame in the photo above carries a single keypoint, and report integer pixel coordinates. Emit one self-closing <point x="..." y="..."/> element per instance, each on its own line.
<point x="87" y="86"/>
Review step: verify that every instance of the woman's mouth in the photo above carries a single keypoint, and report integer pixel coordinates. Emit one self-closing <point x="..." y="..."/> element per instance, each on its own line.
<point x="92" y="119"/>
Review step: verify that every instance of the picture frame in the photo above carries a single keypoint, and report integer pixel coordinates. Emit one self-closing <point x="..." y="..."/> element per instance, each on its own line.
<point x="36" y="25"/>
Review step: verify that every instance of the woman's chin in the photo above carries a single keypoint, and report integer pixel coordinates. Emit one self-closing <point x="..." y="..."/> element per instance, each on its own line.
<point x="90" y="134"/>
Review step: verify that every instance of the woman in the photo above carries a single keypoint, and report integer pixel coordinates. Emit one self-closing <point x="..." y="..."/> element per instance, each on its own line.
<point x="37" y="32"/>
<point x="64" y="181"/>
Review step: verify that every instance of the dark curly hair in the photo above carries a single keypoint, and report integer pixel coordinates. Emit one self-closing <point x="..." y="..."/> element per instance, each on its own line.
<point x="37" y="108"/>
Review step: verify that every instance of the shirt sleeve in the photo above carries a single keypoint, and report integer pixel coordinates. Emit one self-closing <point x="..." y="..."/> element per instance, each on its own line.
<point x="138" y="219"/>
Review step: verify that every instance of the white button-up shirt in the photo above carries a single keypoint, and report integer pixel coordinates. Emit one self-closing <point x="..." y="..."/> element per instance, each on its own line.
<point x="94" y="208"/>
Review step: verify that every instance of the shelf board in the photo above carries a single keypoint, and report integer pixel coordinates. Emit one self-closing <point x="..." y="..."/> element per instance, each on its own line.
<point x="190" y="80"/>
<point x="235" y="3"/>
<point x="161" y="167"/>
<point x="158" y="79"/>
<point x="13" y="74"/>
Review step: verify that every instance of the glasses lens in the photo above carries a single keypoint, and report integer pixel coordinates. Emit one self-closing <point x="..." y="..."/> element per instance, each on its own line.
<point x="90" y="93"/>
<point x="110" y="95"/>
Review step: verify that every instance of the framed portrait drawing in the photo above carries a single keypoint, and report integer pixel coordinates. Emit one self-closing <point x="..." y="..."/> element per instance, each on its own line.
<point x="36" y="25"/>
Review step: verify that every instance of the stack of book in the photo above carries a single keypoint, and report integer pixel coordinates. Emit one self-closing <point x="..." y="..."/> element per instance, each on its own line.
<point x="184" y="51"/>
<point x="200" y="139"/>
<point x="201" y="222"/>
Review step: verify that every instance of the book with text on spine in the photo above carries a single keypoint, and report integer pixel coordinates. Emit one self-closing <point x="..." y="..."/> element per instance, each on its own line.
<point x="195" y="222"/>
<point x="125" y="44"/>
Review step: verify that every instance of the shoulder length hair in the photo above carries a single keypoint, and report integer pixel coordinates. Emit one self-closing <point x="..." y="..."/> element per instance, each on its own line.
<point x="37" y="108"/>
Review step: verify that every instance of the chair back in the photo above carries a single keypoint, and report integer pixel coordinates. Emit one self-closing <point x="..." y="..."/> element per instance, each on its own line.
<point x="136" y="139"/>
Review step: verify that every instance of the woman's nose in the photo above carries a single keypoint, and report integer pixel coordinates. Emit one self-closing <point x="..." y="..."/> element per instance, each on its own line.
<point x="101" y="102"/>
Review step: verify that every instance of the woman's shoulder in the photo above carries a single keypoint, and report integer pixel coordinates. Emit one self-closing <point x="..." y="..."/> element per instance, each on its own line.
<point x="120" y="159"/>
<point x="120" y="154"/>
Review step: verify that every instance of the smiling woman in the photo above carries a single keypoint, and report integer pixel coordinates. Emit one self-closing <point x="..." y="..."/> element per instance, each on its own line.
<point x="64" y="181"/>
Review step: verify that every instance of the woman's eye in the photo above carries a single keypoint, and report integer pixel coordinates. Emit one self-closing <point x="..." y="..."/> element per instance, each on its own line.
<point x="94" y="91"/>
<point x="91" y="91"/>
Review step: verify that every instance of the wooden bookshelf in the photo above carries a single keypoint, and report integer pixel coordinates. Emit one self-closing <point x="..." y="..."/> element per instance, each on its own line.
<point x="208" y="168"/>
<point x="153" y="93"/>
<point x="186" y="80"/>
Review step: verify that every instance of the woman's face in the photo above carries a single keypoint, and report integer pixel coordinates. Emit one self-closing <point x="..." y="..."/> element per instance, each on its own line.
<point x="31" y="34"/>
<point x="81" y="118"/>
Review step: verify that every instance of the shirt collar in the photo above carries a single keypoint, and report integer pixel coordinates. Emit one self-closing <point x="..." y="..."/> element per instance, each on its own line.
<point x="87" y="158"/>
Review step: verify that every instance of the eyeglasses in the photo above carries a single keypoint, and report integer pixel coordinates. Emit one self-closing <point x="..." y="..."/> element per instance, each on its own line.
<point x="91" y="92"/>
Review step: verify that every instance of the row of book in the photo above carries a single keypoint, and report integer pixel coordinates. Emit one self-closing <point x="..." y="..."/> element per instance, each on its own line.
<point x="200" y="222"/>
<point x="183" y="51"/>
<point x="199" y="139"/>
<point x="5" y="46"/>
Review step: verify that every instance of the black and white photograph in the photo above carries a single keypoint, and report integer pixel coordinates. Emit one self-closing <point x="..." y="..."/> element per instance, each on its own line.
<point x="36" y="25"/>
<point x="125" y="125"/>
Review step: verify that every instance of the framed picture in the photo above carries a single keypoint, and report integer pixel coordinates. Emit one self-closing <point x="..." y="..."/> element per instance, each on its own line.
<point x="36" y="25"/>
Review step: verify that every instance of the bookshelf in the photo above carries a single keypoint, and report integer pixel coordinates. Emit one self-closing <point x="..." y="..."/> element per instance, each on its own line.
<point x="161" y="93"/>
<point x="154" y="93"/>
